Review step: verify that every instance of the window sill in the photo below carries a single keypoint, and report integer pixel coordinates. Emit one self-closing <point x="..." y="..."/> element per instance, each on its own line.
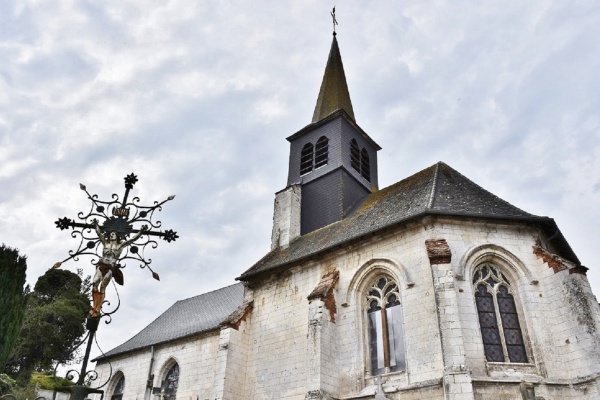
<point x="497" y="370"/>
<point x="388" y="376"/>
<point x="391" y="386"/>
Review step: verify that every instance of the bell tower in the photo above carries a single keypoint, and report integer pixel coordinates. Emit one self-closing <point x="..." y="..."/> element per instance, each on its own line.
<point x="332" y="164"/>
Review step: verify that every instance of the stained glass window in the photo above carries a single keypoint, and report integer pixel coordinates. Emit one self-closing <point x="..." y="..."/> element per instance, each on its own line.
<point x="498" y="317"/>
<point x="119" y="388"/>
<point x="386" y="337"/>
<point x="171" y="383"/>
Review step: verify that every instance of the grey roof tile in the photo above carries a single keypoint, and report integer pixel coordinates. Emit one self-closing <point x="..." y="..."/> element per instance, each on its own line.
<point x="438" y="189"/>
<point x="186" y="317"/>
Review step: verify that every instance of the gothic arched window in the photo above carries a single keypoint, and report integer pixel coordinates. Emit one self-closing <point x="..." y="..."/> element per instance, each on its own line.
<point x="119" y="388"/>
<point x="354" y="155"/>
<point x="365" y="165"/>
<point x="321" y="152"/>
<point x="386" y="337"/>
<point x="171" y="383"/>
<point x="498" y="316"/>
<point x="306" y="158"/>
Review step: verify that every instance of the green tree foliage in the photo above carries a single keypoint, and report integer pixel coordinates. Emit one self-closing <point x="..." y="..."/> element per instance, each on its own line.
<point x="7" y="384"/>
<point x="49" y="381"/>
<point x="12" y="299"/>
<point x="53" y="325"/>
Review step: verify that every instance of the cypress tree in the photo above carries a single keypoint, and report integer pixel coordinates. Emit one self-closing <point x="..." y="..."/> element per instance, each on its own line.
<point x="12" y="299"/>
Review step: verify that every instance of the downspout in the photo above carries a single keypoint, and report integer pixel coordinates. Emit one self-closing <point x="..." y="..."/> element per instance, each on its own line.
<point x="150" y="380"/>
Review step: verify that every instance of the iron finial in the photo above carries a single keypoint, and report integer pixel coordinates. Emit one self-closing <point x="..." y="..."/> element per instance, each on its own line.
<point x="334" y="20"/>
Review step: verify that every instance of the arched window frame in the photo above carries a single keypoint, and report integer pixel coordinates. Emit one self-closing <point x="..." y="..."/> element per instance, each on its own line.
<point x="353" y="296"/>
<point x="321" y="152"/>
<point x="384" y="322"/>
<point x="360" y="160"/>
<point x="169" y="382"/>
<point x="500" y="315"/>
<point x="307" y="158"/>
<point x="117" y="386"/>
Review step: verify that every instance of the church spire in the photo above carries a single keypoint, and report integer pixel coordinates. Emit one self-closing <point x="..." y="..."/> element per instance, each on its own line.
<point x="334" y="94"/>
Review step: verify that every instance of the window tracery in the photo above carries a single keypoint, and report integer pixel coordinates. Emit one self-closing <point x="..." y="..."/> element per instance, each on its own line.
<point x="498" y="316"/>
<point x="385" y="332"/>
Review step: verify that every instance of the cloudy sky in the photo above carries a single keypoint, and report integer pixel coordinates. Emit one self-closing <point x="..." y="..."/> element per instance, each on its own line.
<point x="197" y="98"/>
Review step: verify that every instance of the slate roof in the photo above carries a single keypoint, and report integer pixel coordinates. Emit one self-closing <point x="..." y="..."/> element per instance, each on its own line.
<point x="437" y="190"/>
<point x="187" y="317"/>
<point x="333" y="95"/>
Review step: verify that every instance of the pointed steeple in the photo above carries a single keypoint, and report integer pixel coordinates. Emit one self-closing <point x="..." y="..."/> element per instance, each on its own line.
<point x="334" y="94"/>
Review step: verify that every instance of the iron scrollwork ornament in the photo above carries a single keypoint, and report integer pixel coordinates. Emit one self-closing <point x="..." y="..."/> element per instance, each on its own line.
<point x="108" y="233"/>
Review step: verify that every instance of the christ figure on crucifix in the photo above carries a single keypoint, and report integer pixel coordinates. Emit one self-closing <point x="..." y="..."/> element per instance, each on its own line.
<point x="108" y="266"/>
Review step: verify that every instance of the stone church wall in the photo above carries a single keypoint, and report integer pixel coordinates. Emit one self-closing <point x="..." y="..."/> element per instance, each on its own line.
<point x="196" y="357"/>
<point x="277" y="328"/>
<point x="558" y="317"/>
<point x="289" y="347"/>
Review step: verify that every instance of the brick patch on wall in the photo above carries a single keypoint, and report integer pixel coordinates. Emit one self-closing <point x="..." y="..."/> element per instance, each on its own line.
<point x="238" y="316"/>
<point x="438" y="251"/>
<point x="324" y="291"/>
<point x="556" y="262"/>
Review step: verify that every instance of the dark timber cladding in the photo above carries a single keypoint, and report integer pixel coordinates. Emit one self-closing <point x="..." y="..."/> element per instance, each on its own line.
<point x="329" y="199"/>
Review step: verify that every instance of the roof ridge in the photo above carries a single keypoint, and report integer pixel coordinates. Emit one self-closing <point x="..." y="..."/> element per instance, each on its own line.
<point x="211" y="291"/>
<point x="433" y="186"/>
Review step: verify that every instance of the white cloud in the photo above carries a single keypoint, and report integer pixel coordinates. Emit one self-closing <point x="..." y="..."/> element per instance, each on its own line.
<point x="198" y="97"/>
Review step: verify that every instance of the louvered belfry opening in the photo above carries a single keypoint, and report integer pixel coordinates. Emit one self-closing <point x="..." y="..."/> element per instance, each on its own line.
<point x="306" y="159"/>
<point x="321" y="152"/>
<point x="355" y="155"/>
<point x="365" y="165"/>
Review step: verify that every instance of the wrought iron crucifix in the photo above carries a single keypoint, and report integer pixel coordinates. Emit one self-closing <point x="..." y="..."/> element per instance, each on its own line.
<point x="110" y="225"/>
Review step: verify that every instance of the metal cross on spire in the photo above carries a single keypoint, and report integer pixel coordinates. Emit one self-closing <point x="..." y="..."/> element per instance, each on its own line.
<point x="334" y="20"/>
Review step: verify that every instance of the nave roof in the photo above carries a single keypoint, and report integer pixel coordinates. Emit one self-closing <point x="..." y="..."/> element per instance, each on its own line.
<point x="437" y="190"/>
<point x="185" y="318"/>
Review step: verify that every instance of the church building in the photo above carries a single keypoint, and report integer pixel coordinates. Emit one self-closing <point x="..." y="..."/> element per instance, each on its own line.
<point x="431" y="288"/>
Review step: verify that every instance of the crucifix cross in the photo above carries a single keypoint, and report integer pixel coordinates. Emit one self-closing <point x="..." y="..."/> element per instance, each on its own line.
<point x="111" y="223"/>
